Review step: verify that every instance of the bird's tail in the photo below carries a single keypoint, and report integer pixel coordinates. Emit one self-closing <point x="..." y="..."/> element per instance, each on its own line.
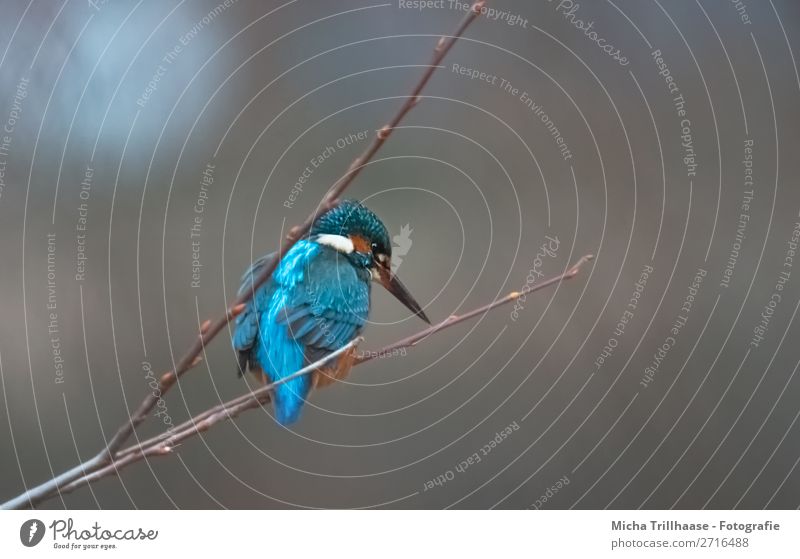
<point x="242" y="362"/>
<point x="279" y="361"/>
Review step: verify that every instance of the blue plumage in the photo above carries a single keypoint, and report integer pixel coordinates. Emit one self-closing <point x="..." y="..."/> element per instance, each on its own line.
<point x="317" y="300"/>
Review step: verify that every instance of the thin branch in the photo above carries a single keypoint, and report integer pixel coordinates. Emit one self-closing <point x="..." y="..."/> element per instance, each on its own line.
<point x="452" y="320"/>
<point x="333" y="196"/>
<point x="210" y="329"/>
<point x="165" y="443"/>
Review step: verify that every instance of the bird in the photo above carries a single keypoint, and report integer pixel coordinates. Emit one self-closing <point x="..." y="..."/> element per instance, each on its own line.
<point x="316" y="301"/>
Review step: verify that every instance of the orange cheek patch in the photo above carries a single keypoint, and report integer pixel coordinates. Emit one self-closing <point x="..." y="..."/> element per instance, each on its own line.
<point x="360" y="244"/>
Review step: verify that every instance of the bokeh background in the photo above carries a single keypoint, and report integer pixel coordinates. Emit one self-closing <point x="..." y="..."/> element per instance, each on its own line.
<point x="109" y="129"/>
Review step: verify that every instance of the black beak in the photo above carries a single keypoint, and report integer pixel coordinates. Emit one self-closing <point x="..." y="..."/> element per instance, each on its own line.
<point x="394" y="286"/>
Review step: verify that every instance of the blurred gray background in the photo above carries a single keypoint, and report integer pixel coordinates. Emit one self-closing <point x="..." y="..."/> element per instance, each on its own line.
<point x="98" y="93"/>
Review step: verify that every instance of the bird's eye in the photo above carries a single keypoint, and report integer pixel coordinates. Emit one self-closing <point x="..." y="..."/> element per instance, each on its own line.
<point x="374" y="248"/>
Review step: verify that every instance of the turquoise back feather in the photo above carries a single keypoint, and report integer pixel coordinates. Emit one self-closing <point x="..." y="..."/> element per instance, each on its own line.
<point x="315" y="303"/>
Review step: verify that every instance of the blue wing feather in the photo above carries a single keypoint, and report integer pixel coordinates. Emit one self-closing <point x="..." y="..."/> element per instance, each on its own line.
<point x="246" y="331"/>
<point x="315" y="303"/>
<point x="332" y="306"/>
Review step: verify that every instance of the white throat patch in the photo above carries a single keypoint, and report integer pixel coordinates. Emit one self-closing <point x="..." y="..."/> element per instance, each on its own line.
<point x="338" y="242"/>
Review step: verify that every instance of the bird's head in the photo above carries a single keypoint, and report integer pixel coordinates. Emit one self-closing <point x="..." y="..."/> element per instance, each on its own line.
<point x="356" y="232"/>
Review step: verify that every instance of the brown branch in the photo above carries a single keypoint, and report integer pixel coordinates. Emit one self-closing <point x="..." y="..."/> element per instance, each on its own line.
<point x="332" y="197"/>
<point x="165" y="443"/>
<point x="452" y="320"/>
<point x="209" y="329"/>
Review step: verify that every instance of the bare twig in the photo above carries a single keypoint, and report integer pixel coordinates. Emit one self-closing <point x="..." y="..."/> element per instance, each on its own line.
<point x="209" y="329"/>
<point x="452" y="320"/>
<point x="333" y="196"/>
<point x="164" y="443"/>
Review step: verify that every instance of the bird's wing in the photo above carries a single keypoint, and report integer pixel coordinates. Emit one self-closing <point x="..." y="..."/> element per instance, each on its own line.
<point x="329" y="307"/>
<point x="246" y="331"/>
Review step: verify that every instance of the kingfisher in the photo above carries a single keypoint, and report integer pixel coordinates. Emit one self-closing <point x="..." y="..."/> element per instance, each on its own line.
<point x="317" y="301"/>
